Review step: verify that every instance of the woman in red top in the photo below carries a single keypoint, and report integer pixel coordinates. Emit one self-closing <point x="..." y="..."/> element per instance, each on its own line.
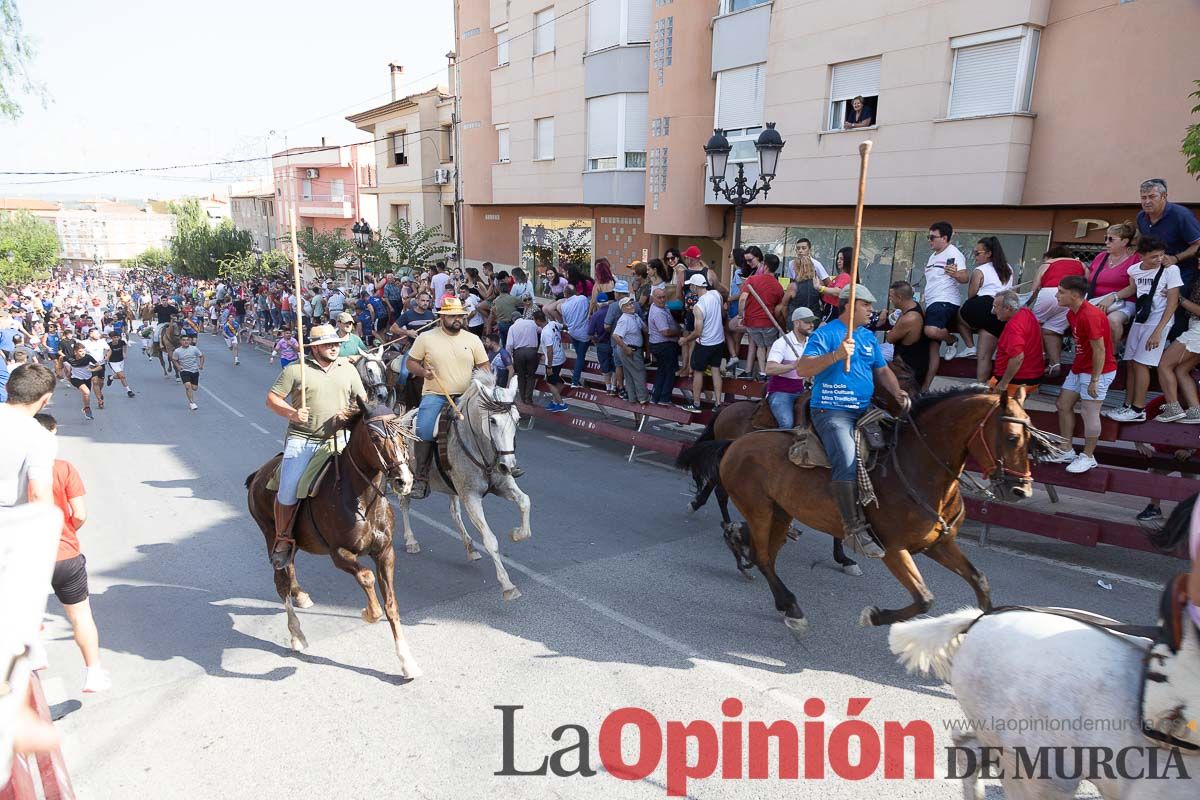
<point x="1059" y="263"/>
<point x="829" y="294"/>
<point x="1109" y="274"/>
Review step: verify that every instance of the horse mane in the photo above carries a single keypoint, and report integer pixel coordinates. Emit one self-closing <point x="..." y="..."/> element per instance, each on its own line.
<point x="929" y="399"/>
<point x="1177" y="527"/>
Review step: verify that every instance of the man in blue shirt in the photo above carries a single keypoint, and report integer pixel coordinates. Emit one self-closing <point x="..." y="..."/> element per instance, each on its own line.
<point x="840" y="398"/>
<point x="1176" y="227"/>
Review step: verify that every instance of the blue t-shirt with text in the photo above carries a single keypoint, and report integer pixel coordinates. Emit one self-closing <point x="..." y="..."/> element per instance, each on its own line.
<point x="833" y="387"/>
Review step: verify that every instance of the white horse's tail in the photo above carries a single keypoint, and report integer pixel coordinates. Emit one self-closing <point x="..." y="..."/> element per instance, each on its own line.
<point x="929" y="645"/>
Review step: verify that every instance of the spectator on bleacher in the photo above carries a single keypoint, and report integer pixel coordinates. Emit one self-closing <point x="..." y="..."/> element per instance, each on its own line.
<point x="660" y="277"/>
<point x="992" y="275"/>
<point x="1020" y="362"/>
<point x="574" y="313"/>
<point x="1157" y="285"/>
<point x="906" y="333"/>
<point x="664" y="335"/>
<point x="522" y="341"/>
<point x="1175" y="370"/>
<point x="620" y="292"/>
<point x="521" y="288"/>
<point x="783" y="384"/>
<point x="709" y="336"/>
<point x="843" y="264"/>
<point x="1058" y="263"/>
<point x="503" y="307"/>
<point x="1109" y="274"/>
<point x="944" y="271"/>
<point x="1091" y="374"/>
<point x="1153" y="509"/>
<point x="1177" y="228"/>
<point x="600" y="336"/>
<point x="805" y="282"/>
<point x="758" y="317"/>
<point x="739" y="271"/>
<point x="639" y="286"/>
<point x="604" y="281"/>
<point x="550" y="345"/>
<point x="629" y="336"/>
<point x="804" y="254"/>
<point x="580" y="282"/>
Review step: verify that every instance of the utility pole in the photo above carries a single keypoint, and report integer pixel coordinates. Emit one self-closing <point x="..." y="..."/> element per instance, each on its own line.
<point x="457" y="128"/>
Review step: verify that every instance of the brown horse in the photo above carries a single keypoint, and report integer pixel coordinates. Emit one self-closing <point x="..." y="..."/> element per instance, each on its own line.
<point x="919" y="508"/>
<point x="349" y="517"/>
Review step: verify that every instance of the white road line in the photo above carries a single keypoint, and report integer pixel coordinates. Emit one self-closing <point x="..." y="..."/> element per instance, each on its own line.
<point x="571" y="442"/>
<point x="1096" y="573"/>
<point x="230" y="408"/>
<point x="260" y="428"/>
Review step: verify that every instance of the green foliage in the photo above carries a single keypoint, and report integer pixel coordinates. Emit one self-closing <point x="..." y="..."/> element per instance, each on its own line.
<point x="1191" y="141"/>
<point x="277" y="262"/>
<point x="153" y="257"/>
<point x="28" y="248"/>
<point x="415" y="246"/>
<point x="377" y="257"/>
<point x="250" y="266"/>
<point x="16" y="53"/>
<point x="322" y="251"/>
<point x="188" y="214"/>
<point x="198" y="250"/>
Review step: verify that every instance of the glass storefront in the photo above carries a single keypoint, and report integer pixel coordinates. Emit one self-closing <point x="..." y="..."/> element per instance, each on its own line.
<point x="890" y="255"/>
<point x="556" y="242"/>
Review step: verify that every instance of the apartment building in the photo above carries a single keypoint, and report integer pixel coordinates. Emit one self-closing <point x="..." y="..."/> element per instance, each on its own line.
<point x="1013" y="119"/>
<point x="322" y="185"/>
<point x="99" y="231"/>
<point x="252" y="209"/>
<point x="413" y="151"/>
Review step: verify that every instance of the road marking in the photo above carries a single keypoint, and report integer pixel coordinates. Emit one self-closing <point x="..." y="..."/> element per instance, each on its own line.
<point x="230" y="408"/>
<point x="1095" y="573"/>
<point x="260" y="428"/>
<point x="568" y="441"/>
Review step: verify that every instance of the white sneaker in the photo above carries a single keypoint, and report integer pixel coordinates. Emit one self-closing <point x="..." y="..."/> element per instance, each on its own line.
<point x="951" y="353"/>
<point x="1082" y="463"/>
<point x="1112" y="412"/>
<point x="1128" y="415"/>
<point x="970" y="352"/>
<point x="193" y="406"/>
<point x="1065" y="457"/>
<point x="96" y="679"/>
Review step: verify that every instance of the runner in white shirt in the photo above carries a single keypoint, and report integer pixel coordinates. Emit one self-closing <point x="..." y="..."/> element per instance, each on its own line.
<point x="438" y="284"/>
<point x="98" y="349"/>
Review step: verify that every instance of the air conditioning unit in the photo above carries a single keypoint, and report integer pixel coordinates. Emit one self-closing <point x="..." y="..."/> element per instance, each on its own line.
<point x="441" y="176"/>
<point x="312" y="173"/>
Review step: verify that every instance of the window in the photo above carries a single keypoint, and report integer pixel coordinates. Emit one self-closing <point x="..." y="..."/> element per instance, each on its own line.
<point x="993" y="72"/>
<point x="616" y="125"/>
<point x="730" y="6"/>
<point x="399" y="212"/>
<point x="502" y="142"/>
<point x="617" y="22"/>
<point x="850" y="80"/>
<point x="543" y="31"/>
<point x="544" y="138"/>
<point x="337" y="190"/>
<point x="501" y="45"/>
<point x="446" y="144"/>
<point x="399" y="159"/>
<point x="740" y="108"/>
<point x="306" y="190"/>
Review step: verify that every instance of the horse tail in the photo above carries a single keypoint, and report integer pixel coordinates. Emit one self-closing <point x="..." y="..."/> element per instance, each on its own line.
<point x="1177" y="527"/>
<point x="708" y="434"/>
<point x="703" y="460"/>
<point x="929" y="645"/>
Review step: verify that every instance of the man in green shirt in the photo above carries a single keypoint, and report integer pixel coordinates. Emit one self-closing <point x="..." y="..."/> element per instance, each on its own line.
<point x="352" y="346"/>
<point x="318" y="305"/>
<point x="503" y="307"/>
<point x="332" y="386"/>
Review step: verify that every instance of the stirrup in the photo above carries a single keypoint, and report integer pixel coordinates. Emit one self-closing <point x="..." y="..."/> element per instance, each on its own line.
<point x="420" y="488"/>
<point x="280" y="559"/>
<point x="870" y="549"/>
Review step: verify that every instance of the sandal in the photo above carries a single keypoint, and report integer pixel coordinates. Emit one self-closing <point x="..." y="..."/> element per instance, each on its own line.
<point x="1053" y="369"/>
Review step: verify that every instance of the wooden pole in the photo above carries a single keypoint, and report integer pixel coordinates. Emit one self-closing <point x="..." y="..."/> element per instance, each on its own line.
<point x="298" y="307"/>
<point x="771" y="316"/>
<point x="864" y="153"/>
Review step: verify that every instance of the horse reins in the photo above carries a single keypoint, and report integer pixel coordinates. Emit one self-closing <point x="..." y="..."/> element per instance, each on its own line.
<point x="491" y="406"/>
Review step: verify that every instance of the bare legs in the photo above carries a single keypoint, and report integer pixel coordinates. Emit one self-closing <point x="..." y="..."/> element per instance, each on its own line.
<point x="1090" y="411"/>
<point x="1174" y="374"/>
<point x="87" y="638"/>
<point x="1054" y="345"/>
<point x="987" y="348"/>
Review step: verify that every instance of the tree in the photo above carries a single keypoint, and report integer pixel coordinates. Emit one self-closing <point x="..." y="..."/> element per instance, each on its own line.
<point x="16" y="54"/>
<point x="415" y="246"/>
<point x="1191" y="141"/>
<point x="322" y="251"/>
<point x="197" y="251"/>
<point x="28" y="248"/>
<point x="154" y="257"/>
<point x="252" y="266"/>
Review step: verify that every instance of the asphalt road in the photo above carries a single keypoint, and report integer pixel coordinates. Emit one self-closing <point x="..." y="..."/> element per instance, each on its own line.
<point x="627" y="602"/>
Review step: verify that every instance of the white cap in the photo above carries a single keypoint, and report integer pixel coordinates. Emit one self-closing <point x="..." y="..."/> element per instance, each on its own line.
<point x="698" y="280"/>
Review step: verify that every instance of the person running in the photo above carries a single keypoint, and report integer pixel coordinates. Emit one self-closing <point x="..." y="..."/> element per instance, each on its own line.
<point x="116" y="362"/>
<point x="230" y="328"/>
<point x="98" y="349"/>
<point x="189" y="361"/>
<point x="83" y="368"/>
<point x="286" y="347"/>
<point x="69" y="580"/>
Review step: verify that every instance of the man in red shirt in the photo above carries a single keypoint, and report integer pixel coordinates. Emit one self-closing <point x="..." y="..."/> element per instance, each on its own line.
<point x="1019" y="361"/>
<point x="69" y="581"/>
<point x="757" y="321"/>
<point x="1091" y="374"/>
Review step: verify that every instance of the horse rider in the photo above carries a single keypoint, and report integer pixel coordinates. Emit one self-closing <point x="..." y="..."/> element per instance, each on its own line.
<point x="331" y="387"/>
<point x="841" y="397"/>
<point x="445" y="357"/>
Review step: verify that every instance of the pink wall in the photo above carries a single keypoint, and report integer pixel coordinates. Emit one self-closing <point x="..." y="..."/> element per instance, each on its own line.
<point x="293" y="177"/>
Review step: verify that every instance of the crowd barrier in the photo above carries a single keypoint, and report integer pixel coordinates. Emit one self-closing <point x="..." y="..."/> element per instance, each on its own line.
<point x="43" y="776"/>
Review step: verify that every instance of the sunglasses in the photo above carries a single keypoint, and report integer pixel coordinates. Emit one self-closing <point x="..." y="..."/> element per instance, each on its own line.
<point x="1111" y="238"/>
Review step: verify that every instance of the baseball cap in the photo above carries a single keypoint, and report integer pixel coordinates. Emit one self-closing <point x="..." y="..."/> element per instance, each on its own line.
<point x="692" y="252"/>
<point x="344" y="317"/>
<point x="621" y="286"/>
<point x="626" y="301"/>
<point x="698" y="280"/>
<point x="803" y="312"/>
<point x="603" y="298"/>
<point x="860" y="293"/>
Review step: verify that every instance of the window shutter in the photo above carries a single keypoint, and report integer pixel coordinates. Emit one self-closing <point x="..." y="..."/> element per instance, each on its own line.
<point x="543" y="34"/>
<point x="985" y="79"/>
<point x="637" y="20"/>
<point x="545" y="137"/>
<point x="602" y="126"/>
<point x="636" y="119"/>
<point x="501" y="45"/>
<point x="854" y="78"/>
<point x="740" y="103"/>
<point x="604" y="24"/>
<point x="502" y="144"/>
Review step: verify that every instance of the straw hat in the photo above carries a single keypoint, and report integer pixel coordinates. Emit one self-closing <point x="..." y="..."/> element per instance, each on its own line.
<point x="452" y="306"/>
<point x="323" y="334"/>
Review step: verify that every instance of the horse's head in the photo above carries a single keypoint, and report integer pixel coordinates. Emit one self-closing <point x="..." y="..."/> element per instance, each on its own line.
<point x="385" y="448"/>
<point x="374" y="377"/>
<point x="498" y="405"/>
<point x="1001" y="447"/>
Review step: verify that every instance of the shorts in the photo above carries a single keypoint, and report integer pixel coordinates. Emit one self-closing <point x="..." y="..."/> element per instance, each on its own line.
<point x="1078" y="382"/>
<point x="190" y="377"/>
<point x="77" y="382"/>
<point x="977" y="313"/>
<point x="733" y="309"/>
<point x="763" y="337"/>
<point x="1190" y="338"/>
<point x="117" y="367"/>
<point x="283" y="362"/>
<point x="552" y="376"/>
<point x="1126" y="307"/>
<point x="707" y="355"/>
<point x="69" y="580"/>
<point x="1139" y="335"/>
<point x="1049" y="313"/>
<point x="941" y="315"/>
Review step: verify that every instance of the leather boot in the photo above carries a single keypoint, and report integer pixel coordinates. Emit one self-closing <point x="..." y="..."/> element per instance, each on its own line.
<point x="858" y="533"/>
<point x="423" y="458"/>
<point x="285" y="545"/>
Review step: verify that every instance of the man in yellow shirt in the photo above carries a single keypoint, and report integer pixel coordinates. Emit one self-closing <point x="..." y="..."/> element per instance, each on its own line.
<point x="445" y="357"/>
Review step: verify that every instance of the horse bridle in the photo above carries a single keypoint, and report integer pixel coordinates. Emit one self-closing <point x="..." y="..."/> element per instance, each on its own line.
<point x="491" y="406"/>
<point x="998" y="464"/>
<point x="386" y="426"/>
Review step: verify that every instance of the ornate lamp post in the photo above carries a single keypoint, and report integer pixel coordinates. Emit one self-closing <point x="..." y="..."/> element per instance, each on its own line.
<point x="362" y="238"/>
<point x="742" y="192"/>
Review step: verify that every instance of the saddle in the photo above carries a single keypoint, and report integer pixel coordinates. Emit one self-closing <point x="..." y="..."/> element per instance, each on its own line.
<point x="1171" y="675"/>
<point x="313" y="475"/>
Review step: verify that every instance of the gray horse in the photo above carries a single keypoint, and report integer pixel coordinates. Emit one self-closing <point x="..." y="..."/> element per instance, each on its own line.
<point x="373" y="372"/>
<point x="481" y="450"/>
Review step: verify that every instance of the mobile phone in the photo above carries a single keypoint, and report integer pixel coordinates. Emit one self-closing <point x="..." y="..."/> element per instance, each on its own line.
<point x="950" y="261"/>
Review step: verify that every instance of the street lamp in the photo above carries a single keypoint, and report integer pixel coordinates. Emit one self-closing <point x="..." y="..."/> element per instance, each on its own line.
<point x="362" y="238"/>
<point x="769" y="145"/>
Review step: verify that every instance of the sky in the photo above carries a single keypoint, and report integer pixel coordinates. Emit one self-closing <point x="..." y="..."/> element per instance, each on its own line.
<point x="132" y="83"/>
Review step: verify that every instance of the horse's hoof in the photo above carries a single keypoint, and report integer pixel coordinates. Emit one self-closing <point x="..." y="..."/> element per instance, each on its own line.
<point x="412" y="673"/>
<point x="299" y="643"/>
<point x="302" y="600"/>
<point x="414" y="547"/>
<point x="512" y="594"/>
<point x="518" y="535"/>
<point x="852" y="569"/>
<point x="747" y="574"/>
<point x="473" y="555"/>
<point x="691" y="507"/>
<point x="867" y="618"/>
<point x="368" y="618"/>
<point x="797" y="625"/>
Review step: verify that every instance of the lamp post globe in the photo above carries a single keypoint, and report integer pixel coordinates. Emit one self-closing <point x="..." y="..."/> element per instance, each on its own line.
<point x="718" y="150"/>
<point x="769" y="146"/>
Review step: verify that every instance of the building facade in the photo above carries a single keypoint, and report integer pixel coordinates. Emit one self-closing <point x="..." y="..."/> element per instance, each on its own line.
<point x="99" y="232"/>
<point x="1002" y="118"/>
<point x="322" y="186"/>
<point x="252" y="209"/>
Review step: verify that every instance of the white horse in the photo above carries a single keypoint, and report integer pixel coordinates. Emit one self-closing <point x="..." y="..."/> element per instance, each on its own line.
<point x="1036" y="680"/>
<point x="481" y="449"/>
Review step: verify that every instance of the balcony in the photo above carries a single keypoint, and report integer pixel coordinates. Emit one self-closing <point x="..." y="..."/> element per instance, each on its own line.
<point x="732" y="32"/>
<point x="329" y="209"/>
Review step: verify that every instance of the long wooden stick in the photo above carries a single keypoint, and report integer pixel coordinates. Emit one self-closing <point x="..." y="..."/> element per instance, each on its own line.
<point x="298" y="304"/>
<point x="449" y="399"/>
<point x="864" y="153"/>
<point x="771" y="316"/>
